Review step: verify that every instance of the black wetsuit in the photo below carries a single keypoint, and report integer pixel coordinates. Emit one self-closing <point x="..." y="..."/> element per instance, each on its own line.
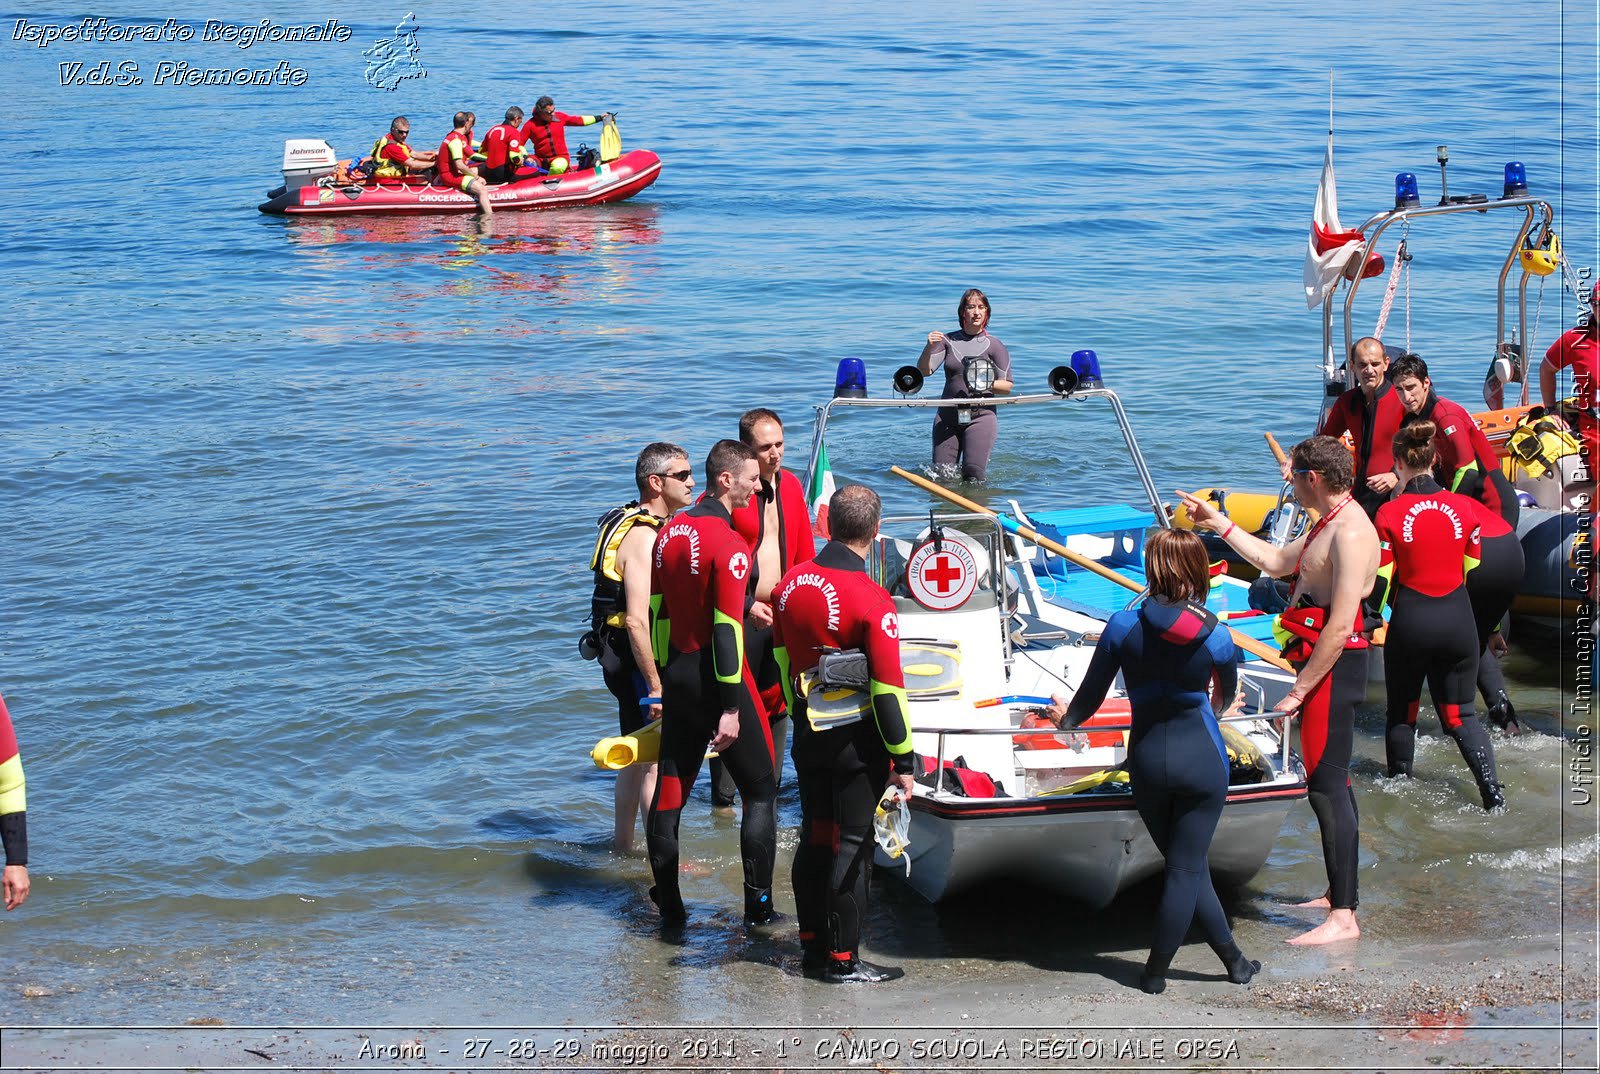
<point x="1491" y="587"/>
<point x="1168" y="655"/>
<point x="1430" y="539"/>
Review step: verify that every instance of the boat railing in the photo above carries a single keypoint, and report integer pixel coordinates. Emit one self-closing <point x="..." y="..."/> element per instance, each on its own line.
<point x="1275" y="719"/>
<point x="1534" y="209"/>
<point x="1077" y="396"/>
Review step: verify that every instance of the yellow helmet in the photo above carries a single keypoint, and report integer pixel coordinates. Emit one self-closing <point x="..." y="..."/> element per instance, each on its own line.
<point x="1544" y="259"/>
<point x="558" y="166"/>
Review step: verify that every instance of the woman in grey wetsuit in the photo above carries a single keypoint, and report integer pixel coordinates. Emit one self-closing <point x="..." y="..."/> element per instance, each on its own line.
<point x="966" y="434"/>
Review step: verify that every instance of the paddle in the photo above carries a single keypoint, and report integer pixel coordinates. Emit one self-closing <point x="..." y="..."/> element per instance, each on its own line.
<point x="1248" y="644"/>
<point x="1277" y="451"/>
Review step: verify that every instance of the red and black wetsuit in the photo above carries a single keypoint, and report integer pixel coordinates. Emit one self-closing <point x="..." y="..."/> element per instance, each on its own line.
<point x="1467" y="462"/>
<point x="455" y="156"/>
<point x="502" y="152"/>
<point x="1429" y="543"/>
<point x="1327" y="733"/>
<point x="1372" y="426"/>
<point x="842" y="771"/>
<point x="548" y="141"/>
<point x="1580" y="349"/>
<point x="13" y="795"/>
<point x="699" y="586"/>
<point x="795" y="545"/>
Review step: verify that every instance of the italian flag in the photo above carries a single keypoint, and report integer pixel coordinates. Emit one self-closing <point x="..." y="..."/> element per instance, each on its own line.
<point x="819" y="492"/>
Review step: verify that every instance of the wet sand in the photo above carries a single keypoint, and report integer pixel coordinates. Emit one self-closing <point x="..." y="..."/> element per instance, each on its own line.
<point x="1366" y="1006"/>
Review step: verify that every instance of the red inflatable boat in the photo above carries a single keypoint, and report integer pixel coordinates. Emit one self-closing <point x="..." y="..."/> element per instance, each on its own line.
<point x="311" y="189"/>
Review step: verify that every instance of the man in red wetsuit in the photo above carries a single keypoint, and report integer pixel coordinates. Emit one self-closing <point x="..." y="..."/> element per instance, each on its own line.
<point x="843" y="767"/>
<point x="546" y="137"/>
<point x="700" y="586"/>
<point x="392" y="155"/>
<point x="455" y="162"/>
<point x="13" y="816"/>
<point x="1371" y="413"/>
<point x="1467" y="462"/>
<point x="1335" y="565"/>
<point x="777" y="527"/>
<point x="1578" y="349"/>
<point x="502" y="148"/>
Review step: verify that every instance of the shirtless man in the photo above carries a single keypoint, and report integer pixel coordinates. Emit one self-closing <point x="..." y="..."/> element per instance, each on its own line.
<point x="1336" y="564"/>
<point x="777" y="527"/>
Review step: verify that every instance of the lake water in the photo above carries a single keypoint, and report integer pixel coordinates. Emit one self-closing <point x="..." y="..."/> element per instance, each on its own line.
<point x="299" y="512"/>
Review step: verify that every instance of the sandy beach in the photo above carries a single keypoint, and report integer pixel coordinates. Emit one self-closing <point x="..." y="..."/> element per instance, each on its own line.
<point x="1368" y="1006"/>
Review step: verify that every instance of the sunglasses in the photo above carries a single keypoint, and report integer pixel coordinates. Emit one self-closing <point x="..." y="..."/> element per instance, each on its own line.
<point x="681" y="475"/>
<point x="1304" y="472"/>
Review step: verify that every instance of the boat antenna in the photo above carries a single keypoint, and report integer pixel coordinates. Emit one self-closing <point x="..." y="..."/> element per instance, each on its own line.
<point x="1330" y="102"/>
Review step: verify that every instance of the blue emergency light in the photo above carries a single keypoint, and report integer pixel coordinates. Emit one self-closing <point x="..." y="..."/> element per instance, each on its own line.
<point x="1087" y="366"/>
<point x="1516" y="180"/>
<point x="1405" y="191"/>
<point x="851" y="382"/>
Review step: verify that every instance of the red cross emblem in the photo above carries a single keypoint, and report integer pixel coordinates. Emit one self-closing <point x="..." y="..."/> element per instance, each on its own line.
<point x="943" y="573"/>
<point x="941" y="578"/>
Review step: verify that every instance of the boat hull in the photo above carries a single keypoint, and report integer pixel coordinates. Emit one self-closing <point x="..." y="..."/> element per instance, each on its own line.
<point x="1089" y="847"/>
<point x="616" y="181"/>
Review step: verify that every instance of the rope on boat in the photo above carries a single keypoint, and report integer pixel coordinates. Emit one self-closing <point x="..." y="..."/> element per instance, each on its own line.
<point x="1389" y="293"/>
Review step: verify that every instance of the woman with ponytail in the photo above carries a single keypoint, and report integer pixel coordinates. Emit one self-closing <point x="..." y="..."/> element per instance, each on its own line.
<point x="1429" y="540"/>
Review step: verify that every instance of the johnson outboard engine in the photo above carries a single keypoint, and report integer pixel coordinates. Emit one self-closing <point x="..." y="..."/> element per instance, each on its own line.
<point x="305" y="160"/>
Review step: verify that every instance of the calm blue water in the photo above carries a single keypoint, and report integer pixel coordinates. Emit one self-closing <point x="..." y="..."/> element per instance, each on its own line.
<point x="298" y="513"/>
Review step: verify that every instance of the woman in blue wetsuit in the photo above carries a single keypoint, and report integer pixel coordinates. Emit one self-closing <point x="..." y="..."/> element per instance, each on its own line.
<point x="1176" y="662"/>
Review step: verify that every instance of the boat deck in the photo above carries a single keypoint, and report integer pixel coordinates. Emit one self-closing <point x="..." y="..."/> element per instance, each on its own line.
<point x="1081" y="590"/>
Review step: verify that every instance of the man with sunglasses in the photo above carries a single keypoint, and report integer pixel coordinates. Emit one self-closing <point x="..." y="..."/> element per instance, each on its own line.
<point x="392" y="155"/>
<point x="1334" y="566"/>
<point x="621" y="609"/>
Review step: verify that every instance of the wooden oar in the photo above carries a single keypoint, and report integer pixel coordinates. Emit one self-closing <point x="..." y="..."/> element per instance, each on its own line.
<point x="1277" y="451"/>
<point x="1248" y="644"/>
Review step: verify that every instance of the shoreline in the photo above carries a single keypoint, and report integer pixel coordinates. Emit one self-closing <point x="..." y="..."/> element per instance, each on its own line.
<point x="1512" y="1012"/>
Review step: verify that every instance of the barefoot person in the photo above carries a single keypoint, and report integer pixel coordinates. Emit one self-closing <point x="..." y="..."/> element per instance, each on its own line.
<point x="454" y="162"/>
<point x="1334" y="565"/>
<point x="621" y="613"/>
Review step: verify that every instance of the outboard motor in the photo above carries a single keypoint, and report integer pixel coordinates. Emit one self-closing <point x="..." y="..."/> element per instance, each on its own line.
<point x="305" y="160"/>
